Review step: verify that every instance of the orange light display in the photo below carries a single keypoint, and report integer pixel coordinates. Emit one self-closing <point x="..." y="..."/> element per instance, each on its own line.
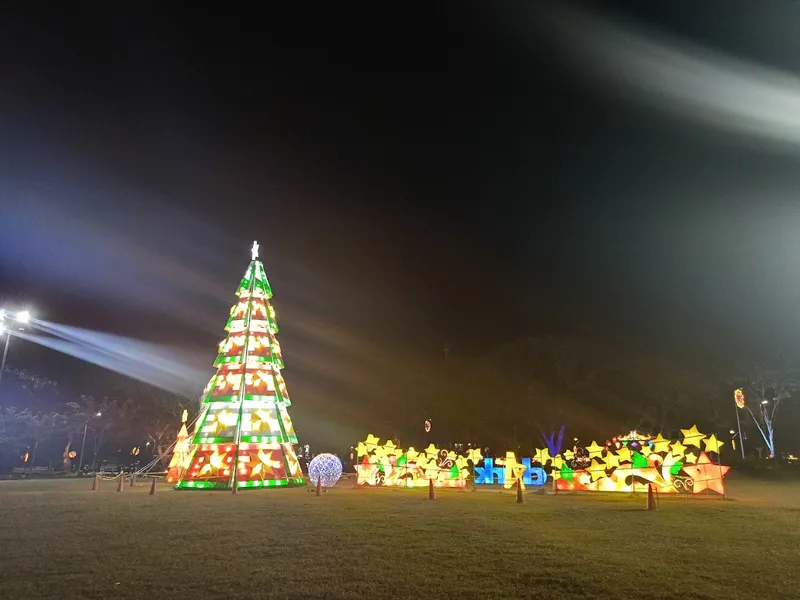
<point x="671" y="466"/>
<point x="388" y="465"/>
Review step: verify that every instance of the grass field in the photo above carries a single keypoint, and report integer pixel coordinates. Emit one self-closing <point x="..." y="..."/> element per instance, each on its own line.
<point x="59" y="540"/>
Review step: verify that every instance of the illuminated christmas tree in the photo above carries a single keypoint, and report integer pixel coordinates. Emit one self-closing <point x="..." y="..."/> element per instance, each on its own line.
<point x="181" y="454"/>
<point x="244" y="437"/>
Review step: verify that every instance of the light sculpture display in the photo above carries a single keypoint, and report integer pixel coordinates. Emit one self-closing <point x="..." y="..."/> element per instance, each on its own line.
<point x="690" y="466"/>
<point x="244" y="437"/>
<point x="181" y="453"/>
<point x="325" y="468"/>
<point x="509" y="471"/>
<point x="387" y="465"/>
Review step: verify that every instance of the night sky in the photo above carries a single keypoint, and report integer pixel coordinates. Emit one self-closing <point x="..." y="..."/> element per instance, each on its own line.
<point x="414" y="175"/>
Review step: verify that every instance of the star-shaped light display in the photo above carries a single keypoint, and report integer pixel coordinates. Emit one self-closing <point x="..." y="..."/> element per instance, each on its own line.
<point x="677" y="449"/>
<point x="624" y="454"/>
<point x="692" y="437"/>
<point x="474" y="454"/>
<point x="660" y="444"/>
<point x="713" y="444"/>
<point x="707" y="476"/>
<point x="390" y="465"/>
<point x="659" y="461"/>
<point x="542" y="456"/>
<point x="595" y="450"/>
<point x="514" y="470"/>
<point x="263" y="466"/>
<point x="264" y="420"/>
<point x="371" y="442"/>
<point x="431" y="450"/>
<point x="216" y="465"/>
<point x="596" y="470"/>
<point x="291" y="460"/>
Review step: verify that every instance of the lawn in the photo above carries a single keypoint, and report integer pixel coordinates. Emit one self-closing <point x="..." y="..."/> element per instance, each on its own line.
<point x="59" y="540"/>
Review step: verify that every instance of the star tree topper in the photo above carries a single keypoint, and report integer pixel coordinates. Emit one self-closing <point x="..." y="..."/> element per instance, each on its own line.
<point x="254" y="250"/>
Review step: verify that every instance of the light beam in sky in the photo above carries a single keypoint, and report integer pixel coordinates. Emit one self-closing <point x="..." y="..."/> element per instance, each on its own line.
<point x="160" y="366"/>
<point x="691" y="81"/>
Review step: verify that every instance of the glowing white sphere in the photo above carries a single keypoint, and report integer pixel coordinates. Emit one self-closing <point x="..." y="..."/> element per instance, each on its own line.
<point x="325" y="466"/>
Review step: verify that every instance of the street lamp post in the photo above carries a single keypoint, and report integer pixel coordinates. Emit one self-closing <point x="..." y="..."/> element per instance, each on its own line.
<point x="22" y="316"/>
<point x="5" y="350"/>
<point x="83" y="443"/>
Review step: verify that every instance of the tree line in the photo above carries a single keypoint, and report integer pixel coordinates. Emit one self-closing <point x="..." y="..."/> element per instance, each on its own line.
<point x="132" y="416"/>
<point x="525" y="394"/>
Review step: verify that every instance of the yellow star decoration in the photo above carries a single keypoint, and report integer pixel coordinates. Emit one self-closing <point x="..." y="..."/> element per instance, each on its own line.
<point x="389" y="448"/>
<point x="660" y="444"/>
<point x="713" y="444"/>
<point x="218" y="425"/>
<point x="624" y="454"/>
<point x="265" y="467"/>
<point x="216" y="462"/>
<point x="361" y="449"/>
<point x="596" y="470"/>
<point x="558" y="462"/>
<point x="474" y="454"/>
<point x="411" y="455"/>
<point x="542" y="456"/>
<point x="461" y="463"/>
<point x="595" y="450"/>
<point x="372" y="441"/>
<point x="569" y="455"/>
<point x="430" y="465"/>
<point x="646" y="450"/>
<point x="690" y="459"/>
<point x="677" y="450"/>
<point x="263" y="417"/>
<point x="514" y="470"/>
<point x="291" y="458"/>
<point x="287" y="424"/>
<point x="692" y="437"/>
<point x="612" y="460"/>
<point x="431" y="449"/>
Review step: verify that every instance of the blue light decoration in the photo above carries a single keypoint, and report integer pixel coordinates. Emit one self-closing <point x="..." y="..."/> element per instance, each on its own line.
<point x="327" y="467"/>
<point x="490" y="474"/>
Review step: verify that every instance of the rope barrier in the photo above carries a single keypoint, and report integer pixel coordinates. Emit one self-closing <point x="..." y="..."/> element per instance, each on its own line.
<point x="145" y="470"/>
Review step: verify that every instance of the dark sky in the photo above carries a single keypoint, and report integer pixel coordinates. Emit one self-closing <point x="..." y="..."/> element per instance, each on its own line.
<point x="414" y="175"/>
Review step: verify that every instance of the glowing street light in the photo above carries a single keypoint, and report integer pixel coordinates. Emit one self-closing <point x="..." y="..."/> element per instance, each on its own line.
<point x="23" y="316"/>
